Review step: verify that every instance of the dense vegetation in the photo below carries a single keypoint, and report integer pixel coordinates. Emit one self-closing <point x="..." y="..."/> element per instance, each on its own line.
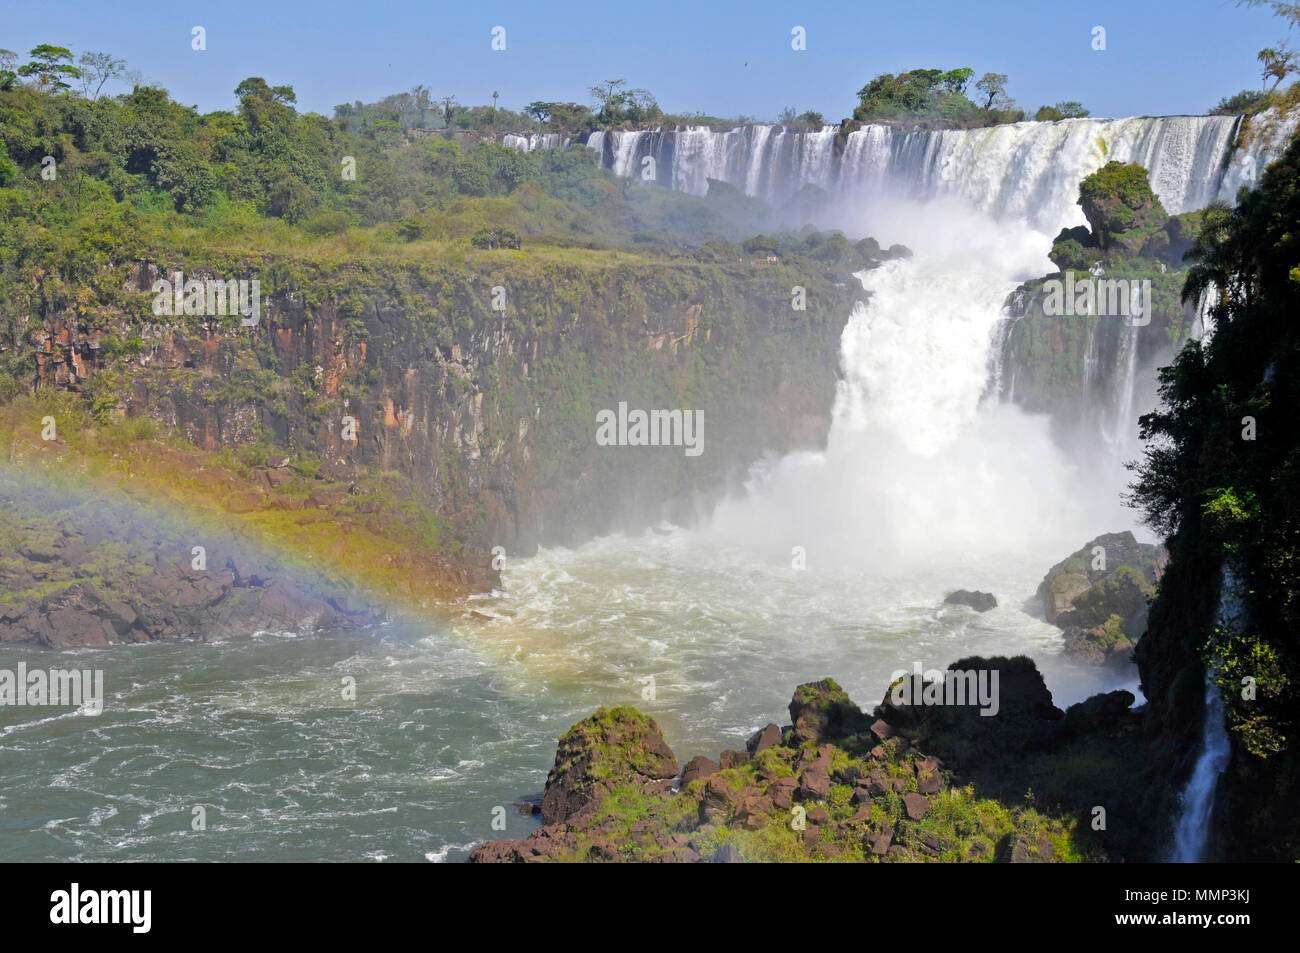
<point x="938" y="96"/>
<point x="1223" y="475"/>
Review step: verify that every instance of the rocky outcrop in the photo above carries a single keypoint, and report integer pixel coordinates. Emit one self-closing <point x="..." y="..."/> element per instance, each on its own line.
<point x="836" y="785"/>
<point x="612" y="748"/>
<point x="979" y="601"/>
<point x="104" y="570"/>
<point x="1121" y="207"/>
<point x="1099" y="596"/>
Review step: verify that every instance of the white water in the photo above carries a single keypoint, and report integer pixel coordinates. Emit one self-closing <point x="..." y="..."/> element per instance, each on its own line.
<point x="1028" y="170"/>
<point x="1192" y="833"/>
<point x="836" y="561"/>
<point x="922" y="488"/>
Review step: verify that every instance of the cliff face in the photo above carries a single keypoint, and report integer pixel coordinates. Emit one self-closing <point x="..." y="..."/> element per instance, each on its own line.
<point x="481" y="382"/>
<point x="1073" y="366"/>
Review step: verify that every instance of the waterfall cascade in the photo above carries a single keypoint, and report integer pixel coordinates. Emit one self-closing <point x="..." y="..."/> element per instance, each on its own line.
<point x="1191" y="835"/>
<point x="1027" y="170"/>
<point x="534" y="140"/>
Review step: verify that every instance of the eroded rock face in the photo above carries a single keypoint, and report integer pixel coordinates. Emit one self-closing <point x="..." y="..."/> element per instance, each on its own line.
<point x="486" y="412"/>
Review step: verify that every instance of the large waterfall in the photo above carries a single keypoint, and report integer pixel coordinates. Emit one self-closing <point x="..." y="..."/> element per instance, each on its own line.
<point x="1021" y="179"/>
<point x="837" y="560"/>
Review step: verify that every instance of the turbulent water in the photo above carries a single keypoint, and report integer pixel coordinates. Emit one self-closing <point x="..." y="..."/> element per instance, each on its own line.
<point x="829" y="563"/>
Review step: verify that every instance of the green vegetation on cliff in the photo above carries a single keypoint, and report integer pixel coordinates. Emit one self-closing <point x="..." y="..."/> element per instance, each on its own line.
<point x="1222" y="478"/>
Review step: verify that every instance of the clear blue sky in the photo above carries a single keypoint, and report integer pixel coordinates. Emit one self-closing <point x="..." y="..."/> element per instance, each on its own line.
<point x="721" y="58"/>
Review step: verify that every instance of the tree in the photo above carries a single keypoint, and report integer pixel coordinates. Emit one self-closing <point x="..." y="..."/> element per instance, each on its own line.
<point x="1277" y="65"/>
<point x="608" y="97"/>
<point x="1285" y="9"/>
<point x="49" y="67"/>
<point x="955" y="81"/>
<point x="98" y="69"/>
<point x="1072" y="110"/>
<point x="420" y="99"/>
<point x="256" y="88"/>
<point x="994" y="86"/>
<point x="8" y="77"/>
<point x="540" y="111"/>
<point x="448" y="104"/>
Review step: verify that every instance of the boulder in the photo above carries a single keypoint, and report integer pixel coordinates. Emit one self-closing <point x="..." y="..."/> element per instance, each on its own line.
<point x="880" y="843"/>
<point x="763" y="739"/>
<point x="979" y="601"/>
<point x="727" y="854"/>
<point x="781" y="791"/>
<point x="1098" y="713"/>
<point x="814" y="785"/>
<point x="732" y="758"/>
<point x="719" y="801"/>
<point x="822" y="712"/>
<point x="612" y="748"/>
<point x="916" y="805"/>
<point x="1096" y="560"/>
<point x="698" y="767"/>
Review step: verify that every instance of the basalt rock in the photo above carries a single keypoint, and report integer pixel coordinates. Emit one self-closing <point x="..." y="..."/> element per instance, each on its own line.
<point x="1099" y="596"/>
<point x="821" y="711"/>
<point x="979" y="601"/>
<point x="607" y="800"/>
<point x="613" y="747"/>
<point x="109" y="571"/>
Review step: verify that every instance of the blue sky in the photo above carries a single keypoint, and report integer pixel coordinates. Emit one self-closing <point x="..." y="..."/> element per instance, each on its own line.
<point x="721" y="58"/>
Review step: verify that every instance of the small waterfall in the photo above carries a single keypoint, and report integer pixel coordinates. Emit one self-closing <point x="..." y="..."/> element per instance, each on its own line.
<point x="1119" y="431"/>
<point x="534" y="140"/>
<point x="1192" y="833"/>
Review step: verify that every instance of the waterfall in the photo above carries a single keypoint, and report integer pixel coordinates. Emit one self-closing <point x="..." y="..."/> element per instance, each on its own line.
<point x="922" y="473"/>
<point x="1027" y="170"/>
<point x="1192" y="833"/>
<point x="534" y="140"/>
<point x="1119" y="429"/>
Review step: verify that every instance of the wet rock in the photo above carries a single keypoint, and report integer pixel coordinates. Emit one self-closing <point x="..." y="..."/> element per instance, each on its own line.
<point x="979" y="601"/>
